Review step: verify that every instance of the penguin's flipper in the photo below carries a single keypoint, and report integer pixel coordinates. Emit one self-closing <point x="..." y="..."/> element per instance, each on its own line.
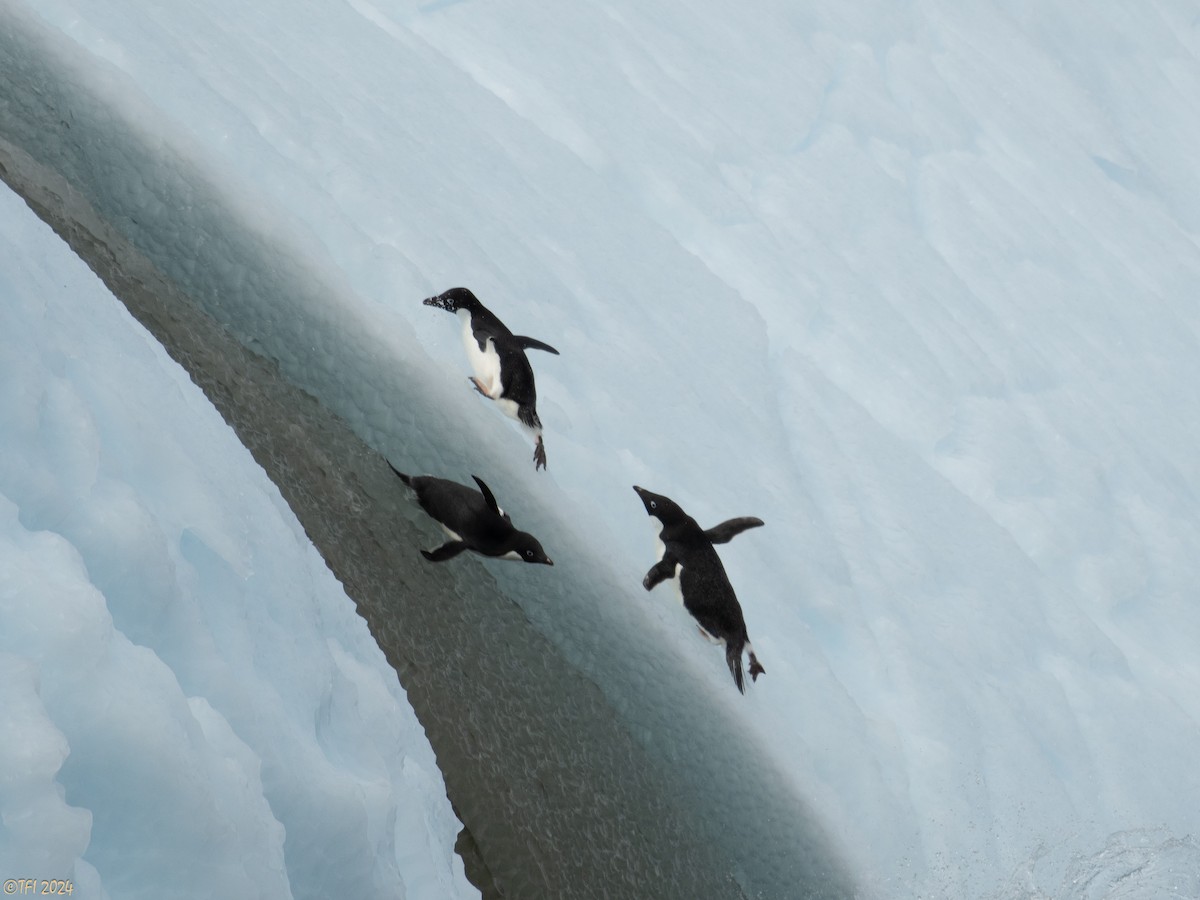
<point x="528" y="343"/>
<point x="660" y="572"/>
<point x="405" y="478"/>
<point x="487" y="495"/>
<point x="447" y="551"/>
<point x="482" y="336"/>
<point x="486" y="327"/>
<point x="728" y="530"/>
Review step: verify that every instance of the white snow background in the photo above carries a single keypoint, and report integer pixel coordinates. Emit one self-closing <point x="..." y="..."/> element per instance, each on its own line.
<point x="916" y="284"/>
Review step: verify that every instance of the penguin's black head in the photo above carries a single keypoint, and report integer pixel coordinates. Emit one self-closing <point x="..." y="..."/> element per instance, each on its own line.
<point x="662" y="508"/>
<point x="526" y="547"/>
<point x="453" y="300"/>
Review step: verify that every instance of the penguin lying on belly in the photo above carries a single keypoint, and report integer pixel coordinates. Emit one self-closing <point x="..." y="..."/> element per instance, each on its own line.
<point x="687" y="554"/>
<point x="473" y="520"/>
<point x="502" y="372"/>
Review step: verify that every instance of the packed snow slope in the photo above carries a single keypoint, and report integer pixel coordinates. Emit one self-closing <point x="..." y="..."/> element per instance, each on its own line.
<point x="915" y="284"/>
<point x="193" y="707"/>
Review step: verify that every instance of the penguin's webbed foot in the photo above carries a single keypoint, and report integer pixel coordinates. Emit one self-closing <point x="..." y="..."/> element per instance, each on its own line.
<point x="756" y="668"/>
<point x="478" y="385"/>
<point x="539" y="454"/>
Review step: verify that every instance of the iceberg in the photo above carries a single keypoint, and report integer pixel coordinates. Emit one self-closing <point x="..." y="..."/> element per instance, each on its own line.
<point x="912" y="285"/>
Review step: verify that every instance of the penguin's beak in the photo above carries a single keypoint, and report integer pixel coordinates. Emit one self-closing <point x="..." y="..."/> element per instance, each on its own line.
<point x="441" y="301"/>
<point x="641" y="492"/>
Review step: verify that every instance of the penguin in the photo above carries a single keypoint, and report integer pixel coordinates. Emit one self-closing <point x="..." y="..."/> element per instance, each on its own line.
<point x="686" y="553"/>
<point x="502" y="372"/>
<point x="473" y="520"/>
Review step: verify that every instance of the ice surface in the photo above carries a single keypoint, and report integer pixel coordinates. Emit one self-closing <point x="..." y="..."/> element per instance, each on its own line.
<point x="913" y="284"/>
<point x="193" y="706"/>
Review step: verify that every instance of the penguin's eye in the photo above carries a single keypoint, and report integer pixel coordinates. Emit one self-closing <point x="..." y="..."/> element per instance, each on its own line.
<point x="653" y="505"/>
<point x="529" y="553"/>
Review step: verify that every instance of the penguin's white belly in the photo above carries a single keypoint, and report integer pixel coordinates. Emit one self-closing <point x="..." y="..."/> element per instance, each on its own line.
<point x="508" y="407"/>
<point x="485" y="363"/>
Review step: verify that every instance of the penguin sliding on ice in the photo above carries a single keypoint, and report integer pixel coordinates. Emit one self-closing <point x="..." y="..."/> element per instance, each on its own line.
<point x="687" y="554"/>
<point x="502" y="373"/>
<point x="473" y="520"/>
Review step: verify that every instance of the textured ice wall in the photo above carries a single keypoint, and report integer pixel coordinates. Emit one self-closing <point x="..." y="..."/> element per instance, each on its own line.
<point x="195" y="707"/>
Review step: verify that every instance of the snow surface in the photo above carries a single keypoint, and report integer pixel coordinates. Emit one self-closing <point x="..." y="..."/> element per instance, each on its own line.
<point x="913" y="283"/>
<point x="191" y="704"/>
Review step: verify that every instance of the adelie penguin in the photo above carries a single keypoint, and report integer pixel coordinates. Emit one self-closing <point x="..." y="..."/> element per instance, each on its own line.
<point x="502" y="371"/>
<point x="686" y="553"/>
<point x="473" y="520"/>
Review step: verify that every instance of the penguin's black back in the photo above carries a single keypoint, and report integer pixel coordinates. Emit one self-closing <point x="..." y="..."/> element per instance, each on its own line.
<point x="460" y="508"/>
<point x="516" y="373"/>
<point x="516" y="380"/>
<point x="475" y="519"/>
<point x="485" y="324"/>
<point x="707" y="593"/>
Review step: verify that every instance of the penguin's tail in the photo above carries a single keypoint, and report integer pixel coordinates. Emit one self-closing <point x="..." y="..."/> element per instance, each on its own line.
<point x="405" y="478"/>
<point x="733" y="656"/>
<point x="527" y="416"/>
